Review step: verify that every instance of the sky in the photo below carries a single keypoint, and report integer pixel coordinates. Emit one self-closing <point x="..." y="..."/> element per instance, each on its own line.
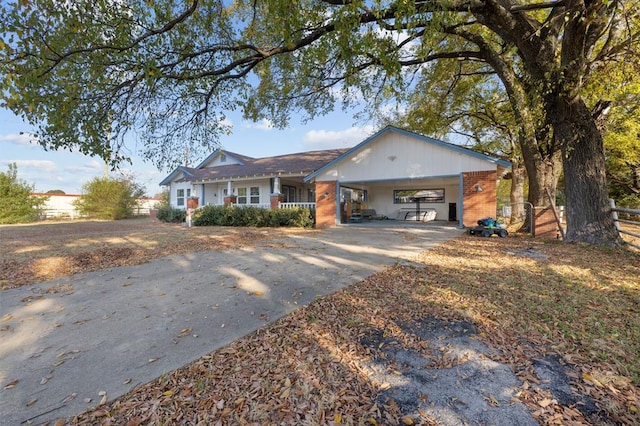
<point x="68" y="171"/>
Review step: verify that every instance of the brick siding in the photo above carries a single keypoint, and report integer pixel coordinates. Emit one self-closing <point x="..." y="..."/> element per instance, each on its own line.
<point x="326" y="205"/>
<point x="478" y="204"/>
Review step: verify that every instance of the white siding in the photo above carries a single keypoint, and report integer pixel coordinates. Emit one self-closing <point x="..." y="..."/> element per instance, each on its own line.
<point x="398" y="156"/>
<point x="380" y="198"/>
<point x="174" y="193"/>
<point x="215" y="191"/>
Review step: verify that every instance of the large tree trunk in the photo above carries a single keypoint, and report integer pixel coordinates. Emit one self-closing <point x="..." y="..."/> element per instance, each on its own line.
<point x="543" y="173"/>
<point x="589" y="218"/>
<point x="516" y="195"/>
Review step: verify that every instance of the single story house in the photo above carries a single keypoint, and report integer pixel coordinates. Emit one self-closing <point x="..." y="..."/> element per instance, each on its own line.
<point x="393" y="174"/>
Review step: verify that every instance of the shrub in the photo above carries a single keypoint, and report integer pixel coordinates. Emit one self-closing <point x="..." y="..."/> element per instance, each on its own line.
<point x="171" y="215"/>
<point x="17" y="205"/>
<point x="108" y="198"/>
<point x="253" y="217"/>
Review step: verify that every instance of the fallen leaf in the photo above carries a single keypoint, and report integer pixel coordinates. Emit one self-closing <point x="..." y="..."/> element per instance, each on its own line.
<point x="6" y="318"/>
<point x="493" y="401"/>
<point x="30" y="403"/>
<point x="544" y="403"/>
<point x="127" y="381"/>
<point x="185" y="331"/>
<point x="589" y="378"/>
<point x="69" y="398"/>
<point x="408" y="420"/>
<point x="12" y="384"/>
<point x="285" y="393"/>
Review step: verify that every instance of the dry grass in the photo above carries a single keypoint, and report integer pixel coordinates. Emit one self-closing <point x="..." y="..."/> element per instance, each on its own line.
<point x="526" y="297"/>
<point x="44" y="251"/>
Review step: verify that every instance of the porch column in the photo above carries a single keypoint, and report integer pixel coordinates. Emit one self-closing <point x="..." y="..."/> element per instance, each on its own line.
<point x="230" y="198"/>
<point x="276" y="197"/>
<point x="276" y="185"/>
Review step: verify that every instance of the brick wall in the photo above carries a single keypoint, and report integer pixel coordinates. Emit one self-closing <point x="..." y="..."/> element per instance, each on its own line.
<point x="478" y="204"/>
<point x="544" y="223"/>
<point x="275" y="200"/>
<point x="326" y="205"/>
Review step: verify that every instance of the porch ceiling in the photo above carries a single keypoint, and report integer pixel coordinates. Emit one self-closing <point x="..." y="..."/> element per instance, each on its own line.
<point x="406" y="183"/>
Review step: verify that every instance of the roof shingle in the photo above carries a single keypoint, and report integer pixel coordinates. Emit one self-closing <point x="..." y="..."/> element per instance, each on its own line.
<point x="301" y="164"/>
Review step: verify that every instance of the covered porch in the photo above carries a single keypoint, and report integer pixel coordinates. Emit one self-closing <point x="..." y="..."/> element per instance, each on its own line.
<point x="438" y="199"/>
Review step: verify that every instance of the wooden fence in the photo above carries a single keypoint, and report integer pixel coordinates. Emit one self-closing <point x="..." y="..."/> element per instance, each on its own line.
<point x="628" y="225"/>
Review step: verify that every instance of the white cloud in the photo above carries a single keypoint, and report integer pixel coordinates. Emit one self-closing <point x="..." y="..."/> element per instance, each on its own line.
<point x="330" y="138"/>
<point x="90" y="167"/>
<point x="22" y="139"/>
<point x="264" y="124"/>
<point x="226" y="122"/>
<point x="33" y="165"/>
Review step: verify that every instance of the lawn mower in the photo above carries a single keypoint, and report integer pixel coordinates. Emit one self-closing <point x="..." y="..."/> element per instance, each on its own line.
<point x="488" y="226"/>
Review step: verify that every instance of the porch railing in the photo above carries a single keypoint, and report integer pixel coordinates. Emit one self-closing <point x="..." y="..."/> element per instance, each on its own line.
<point x="267" y="206"/>
<point x="258" y="206"/>
<point x="311" y="206"/>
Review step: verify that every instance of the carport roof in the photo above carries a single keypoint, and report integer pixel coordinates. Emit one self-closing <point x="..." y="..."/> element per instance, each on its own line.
<point x="426" y="139"/>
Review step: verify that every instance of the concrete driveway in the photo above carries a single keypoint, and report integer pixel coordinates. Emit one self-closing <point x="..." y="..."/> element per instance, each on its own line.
<point x="66" y="344"/>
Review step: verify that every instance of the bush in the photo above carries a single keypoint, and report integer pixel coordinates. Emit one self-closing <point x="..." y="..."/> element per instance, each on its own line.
<point x="17" y="205"/>
<point x="108" y="198"/>
<point x="171" y="215"/>
<point x="252" y="217"/>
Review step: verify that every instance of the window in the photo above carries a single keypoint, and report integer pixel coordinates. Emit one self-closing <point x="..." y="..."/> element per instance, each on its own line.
<point x="409" y="196"/>
<point x="255" y="195"/>
<point x="289" y="193"/>
<point x="242" y="196"/>
<point x="180" y="196"/>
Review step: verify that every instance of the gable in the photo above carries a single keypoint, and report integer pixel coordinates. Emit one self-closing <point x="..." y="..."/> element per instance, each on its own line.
<point x="221" y="157"/>
<point x="179" y="174"/>
<point x="397" y="154"/>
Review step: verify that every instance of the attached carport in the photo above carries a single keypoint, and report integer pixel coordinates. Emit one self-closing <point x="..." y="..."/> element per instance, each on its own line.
<point x="383" y="172"/>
